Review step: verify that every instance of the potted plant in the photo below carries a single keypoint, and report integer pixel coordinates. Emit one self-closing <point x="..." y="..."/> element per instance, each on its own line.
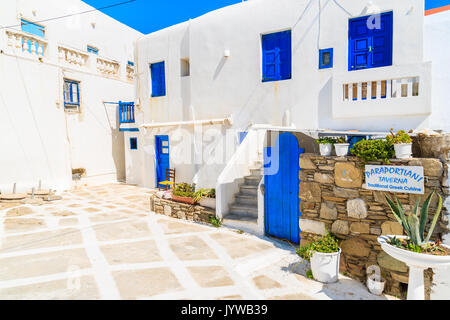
<point x="324" y="255"/>
<point x="416" y="250"/>
<point x="373" y="150"/>
<point x="402" y="144"/>
<point x="341" y="146"/>
<point x="326" y="145"/>
<point x="184" y="193"/>
<point x="206" y="198"/>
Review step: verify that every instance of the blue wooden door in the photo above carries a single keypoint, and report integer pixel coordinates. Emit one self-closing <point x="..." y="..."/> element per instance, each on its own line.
<point x="282" y="189"/>
<point x="162" y="151"/>
<point x="370" y="41"/>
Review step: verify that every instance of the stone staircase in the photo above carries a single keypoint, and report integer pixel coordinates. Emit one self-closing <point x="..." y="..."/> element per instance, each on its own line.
<point x="243" y="213"/>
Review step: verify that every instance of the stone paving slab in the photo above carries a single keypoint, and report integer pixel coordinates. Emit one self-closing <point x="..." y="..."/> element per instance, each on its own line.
<point x="102" y="242"/>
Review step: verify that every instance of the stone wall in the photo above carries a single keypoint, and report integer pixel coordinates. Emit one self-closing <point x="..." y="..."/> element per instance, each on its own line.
<point x="180" y="210"/>
<point x="333" y="199"/>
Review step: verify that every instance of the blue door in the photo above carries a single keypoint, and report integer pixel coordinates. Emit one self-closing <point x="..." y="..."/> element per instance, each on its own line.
<point x="370" y="41"/>
<point x="282" y="189"/>
<point x="162" y="151"/>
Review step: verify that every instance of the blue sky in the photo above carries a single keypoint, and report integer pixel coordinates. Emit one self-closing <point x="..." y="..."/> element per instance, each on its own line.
<point x="147" y="16"/>
<point x="431" y="4"/>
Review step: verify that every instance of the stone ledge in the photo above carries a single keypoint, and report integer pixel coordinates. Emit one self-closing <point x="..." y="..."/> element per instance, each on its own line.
<point x="182" y="211"/>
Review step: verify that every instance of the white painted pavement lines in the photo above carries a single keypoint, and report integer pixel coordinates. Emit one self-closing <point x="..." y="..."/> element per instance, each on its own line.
<point x="176" y="266"/>
<point x="105" y="282"/>
<point x="248" y="290"/>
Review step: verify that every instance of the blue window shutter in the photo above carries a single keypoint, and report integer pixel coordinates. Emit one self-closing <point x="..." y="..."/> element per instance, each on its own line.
<point x="158" y="79"/>
<point x="277" y="56"/>
<point x="370" y="48"/>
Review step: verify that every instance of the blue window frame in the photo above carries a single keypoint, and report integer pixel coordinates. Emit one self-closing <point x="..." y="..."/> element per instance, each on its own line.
<point x="277" y="56"/>
<point x="33" y="28"/>
<point x="133" y="144"/>
<point x="326" y="58"/>
<point x="158" y="79"/>
<point x="91" y="49"/>
<point x="71" y="94"/>
<point x="370" y="41"/>
<point x="131" y="63"/>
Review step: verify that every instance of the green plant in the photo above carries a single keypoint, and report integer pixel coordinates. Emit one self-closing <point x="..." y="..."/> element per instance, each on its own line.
<point x="326" y="140"/>
<point x="184" y="190"/>
<point x="400" y="137"/>
<point x="341" y="140"/>
<point x="413" y="224"/>
<point x="309" y="274"/>
<point x="204" y="193"/>
<point x="373" y="150"/>
<point x="326" y="244"/>
<point x="216" y="222"/>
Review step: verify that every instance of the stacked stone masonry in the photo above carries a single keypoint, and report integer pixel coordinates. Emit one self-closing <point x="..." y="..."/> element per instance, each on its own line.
<point x="332" y="198"/>
<point x="181" y="211"/>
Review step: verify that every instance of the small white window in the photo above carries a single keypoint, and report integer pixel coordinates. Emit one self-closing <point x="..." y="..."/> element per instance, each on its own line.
<point x="185" y="67"/>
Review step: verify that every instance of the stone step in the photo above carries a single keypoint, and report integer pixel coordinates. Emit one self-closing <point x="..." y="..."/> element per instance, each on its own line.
<point x="252" y="180"/>
<point x="248" y="189"/>
<point x="246" y="199"/>
<point x="257" y="171"/>
<point x="244" y="210"/>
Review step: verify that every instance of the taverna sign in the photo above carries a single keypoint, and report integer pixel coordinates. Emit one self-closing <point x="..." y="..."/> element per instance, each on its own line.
<point x="395" y="179"/>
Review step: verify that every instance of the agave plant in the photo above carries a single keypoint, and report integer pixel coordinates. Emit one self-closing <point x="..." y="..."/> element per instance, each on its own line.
<point x="414" y="224"/>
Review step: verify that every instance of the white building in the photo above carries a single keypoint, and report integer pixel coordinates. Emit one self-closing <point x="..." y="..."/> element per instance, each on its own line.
<point x="46" y="132"/>
<point x="218" y="67"/>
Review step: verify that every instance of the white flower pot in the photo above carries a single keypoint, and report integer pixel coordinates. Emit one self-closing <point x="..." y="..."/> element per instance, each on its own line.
<point x="208" y="202"/>
<point x="325" y="149"/>
<point x="325" y="266"/>
<point x="341" y="149"/>
<point x="403" y="150"/>
<point x="417" y="263"/>
<point x="376" y="284"/>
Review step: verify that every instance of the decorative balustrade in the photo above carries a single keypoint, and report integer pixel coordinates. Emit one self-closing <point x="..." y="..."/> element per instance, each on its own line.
<point x="24" y="44"/>
<point x="130" y="73"/>
<point x="108" y="67"/>
<point x="384" y="89"/>
<point x="72" y="57"/>
<point x="400" y="90"/>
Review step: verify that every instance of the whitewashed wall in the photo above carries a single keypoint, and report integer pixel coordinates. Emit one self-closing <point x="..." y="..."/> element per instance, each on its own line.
<point x="220" y="86"/>
<point x="39" y="140"/>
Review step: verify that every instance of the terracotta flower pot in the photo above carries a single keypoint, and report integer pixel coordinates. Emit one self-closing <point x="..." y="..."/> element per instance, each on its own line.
<point x="186" y="200"/>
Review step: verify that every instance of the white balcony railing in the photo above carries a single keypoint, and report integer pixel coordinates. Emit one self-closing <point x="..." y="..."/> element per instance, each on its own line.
<point x="388" y="91"/>
<point x="24" y="44"/>
<point x="108" y="67"/>
<point x="72" y="57"/>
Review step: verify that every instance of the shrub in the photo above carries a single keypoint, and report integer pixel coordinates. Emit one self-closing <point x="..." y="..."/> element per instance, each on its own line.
<point x="216" y="222"/>
<point x="373" y="150"/>
<point x="204" y="193"/>
<point x="326" y="244"/>
<point x="400" y="137"/>
<point x="184" y="190"/>
<point x="326" y="140"/>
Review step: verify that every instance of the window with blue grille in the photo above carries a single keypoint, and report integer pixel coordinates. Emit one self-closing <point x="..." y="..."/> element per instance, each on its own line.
<point x="33" y="28"/>
<point x="91" y="49"/>
<point x="277" y="56"/>
<point x="71" y="95"/>
<point x="158" y="76"/>
<point x="133" y="144"/>
<point x="326" y="58"/>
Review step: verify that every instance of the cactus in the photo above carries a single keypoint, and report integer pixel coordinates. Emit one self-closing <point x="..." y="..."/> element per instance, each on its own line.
<point x="414" y="225"/>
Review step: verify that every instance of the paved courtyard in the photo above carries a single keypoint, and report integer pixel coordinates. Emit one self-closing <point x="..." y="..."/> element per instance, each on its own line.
<point x="104" y="243"/>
